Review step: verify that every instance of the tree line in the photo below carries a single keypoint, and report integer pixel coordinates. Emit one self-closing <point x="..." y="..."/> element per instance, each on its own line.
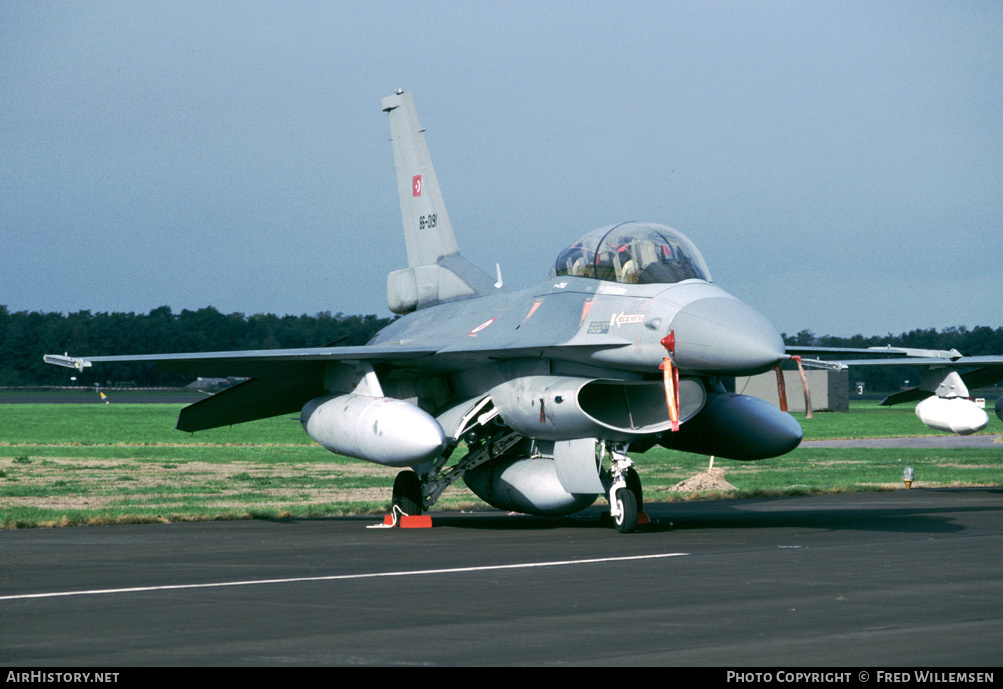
<point x="25" y="336"/>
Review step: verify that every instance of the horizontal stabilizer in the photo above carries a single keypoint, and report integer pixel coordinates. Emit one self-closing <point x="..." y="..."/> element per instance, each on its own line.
<point x="257" y="398"/>
<point x="910" y="395"/>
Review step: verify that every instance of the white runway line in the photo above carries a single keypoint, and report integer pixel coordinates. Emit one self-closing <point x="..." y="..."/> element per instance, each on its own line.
<point x="342" y="577"/>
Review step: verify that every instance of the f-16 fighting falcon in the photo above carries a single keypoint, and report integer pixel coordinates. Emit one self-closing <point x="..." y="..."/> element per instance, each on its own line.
<point x="627" y="344"/>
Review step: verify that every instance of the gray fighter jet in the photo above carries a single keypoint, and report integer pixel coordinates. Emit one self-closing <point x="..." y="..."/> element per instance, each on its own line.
<point x="626" y="344"/>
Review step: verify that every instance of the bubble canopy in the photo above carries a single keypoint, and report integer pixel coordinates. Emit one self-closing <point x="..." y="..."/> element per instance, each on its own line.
<point x="634" y="253"/>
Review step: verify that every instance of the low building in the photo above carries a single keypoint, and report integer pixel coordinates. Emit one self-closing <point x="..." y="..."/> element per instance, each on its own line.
<point x="830" y="390"/>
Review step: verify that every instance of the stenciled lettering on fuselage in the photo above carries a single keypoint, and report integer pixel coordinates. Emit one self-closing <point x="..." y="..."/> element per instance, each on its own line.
<point x="616" y="320"/>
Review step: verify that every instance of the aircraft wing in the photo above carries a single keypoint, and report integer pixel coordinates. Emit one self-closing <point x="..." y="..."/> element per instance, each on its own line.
<point x="910" y="353"/>
<point x="898" y="356"/>
<point x="280" y="381"/>
<point x="251" y="363"/>
<point x="974" y="371"/>
<point x="272" y="362"/>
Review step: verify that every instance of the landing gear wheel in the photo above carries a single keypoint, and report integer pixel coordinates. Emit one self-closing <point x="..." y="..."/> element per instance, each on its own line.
<point x="626" y="520"/>
<point x="407" y="493"/>
<point x="634" y="486"/>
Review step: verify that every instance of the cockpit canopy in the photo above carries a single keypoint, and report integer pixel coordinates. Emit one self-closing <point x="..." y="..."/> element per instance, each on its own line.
<point x="633" y="253"/>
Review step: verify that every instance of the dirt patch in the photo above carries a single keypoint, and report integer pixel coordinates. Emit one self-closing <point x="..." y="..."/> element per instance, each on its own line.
<point x="711" y="479"/>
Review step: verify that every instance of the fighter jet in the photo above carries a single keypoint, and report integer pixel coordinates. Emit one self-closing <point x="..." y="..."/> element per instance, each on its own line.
<point x="531" y="397"/>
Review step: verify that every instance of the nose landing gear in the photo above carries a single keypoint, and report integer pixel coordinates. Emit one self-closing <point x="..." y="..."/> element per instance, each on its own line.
<point x="626" y="498"/>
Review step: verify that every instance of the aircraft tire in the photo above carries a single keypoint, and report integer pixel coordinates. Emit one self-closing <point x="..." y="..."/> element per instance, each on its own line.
<point x="626" y="521"/>
<point x="407" y="493"/>
<point x="634" y="486"/>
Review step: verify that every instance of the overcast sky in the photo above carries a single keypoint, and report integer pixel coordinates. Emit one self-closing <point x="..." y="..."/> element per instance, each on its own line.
<point x="839" y="164"/>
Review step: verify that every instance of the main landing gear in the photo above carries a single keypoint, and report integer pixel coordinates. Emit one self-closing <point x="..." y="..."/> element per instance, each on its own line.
<point x="414" y="494"/>
<point x="407" y="493"/>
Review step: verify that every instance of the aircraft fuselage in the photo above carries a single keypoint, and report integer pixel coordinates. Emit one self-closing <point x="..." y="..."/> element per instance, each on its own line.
<point x="605" y="324"/>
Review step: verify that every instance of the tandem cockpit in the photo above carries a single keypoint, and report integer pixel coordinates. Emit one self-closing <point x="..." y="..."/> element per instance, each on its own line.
<point x="633" y="253"/>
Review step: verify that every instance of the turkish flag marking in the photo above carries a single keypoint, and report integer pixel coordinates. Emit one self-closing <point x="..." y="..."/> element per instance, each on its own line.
<point x="416" y="185"/>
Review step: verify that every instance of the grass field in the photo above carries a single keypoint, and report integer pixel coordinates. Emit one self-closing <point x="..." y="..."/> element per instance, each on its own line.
<point x="68" y="464"/>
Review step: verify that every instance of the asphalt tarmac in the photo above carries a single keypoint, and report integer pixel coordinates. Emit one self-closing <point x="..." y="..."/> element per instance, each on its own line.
<point x="907" y="578"/>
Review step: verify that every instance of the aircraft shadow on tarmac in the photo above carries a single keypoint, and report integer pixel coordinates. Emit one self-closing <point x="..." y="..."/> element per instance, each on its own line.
<point x="745" y="513"/>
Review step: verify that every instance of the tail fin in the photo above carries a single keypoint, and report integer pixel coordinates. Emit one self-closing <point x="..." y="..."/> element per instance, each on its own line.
<point x="427" y="230"/>
<point x="436" y="271"/>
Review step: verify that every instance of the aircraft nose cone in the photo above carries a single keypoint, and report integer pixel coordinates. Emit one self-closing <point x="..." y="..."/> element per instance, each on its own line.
<point x="725" y="336"/>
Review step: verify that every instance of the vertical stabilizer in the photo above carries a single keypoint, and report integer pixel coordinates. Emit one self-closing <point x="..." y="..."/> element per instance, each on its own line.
<point x="436" y="272"/>
<point x="427" y="230"/>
